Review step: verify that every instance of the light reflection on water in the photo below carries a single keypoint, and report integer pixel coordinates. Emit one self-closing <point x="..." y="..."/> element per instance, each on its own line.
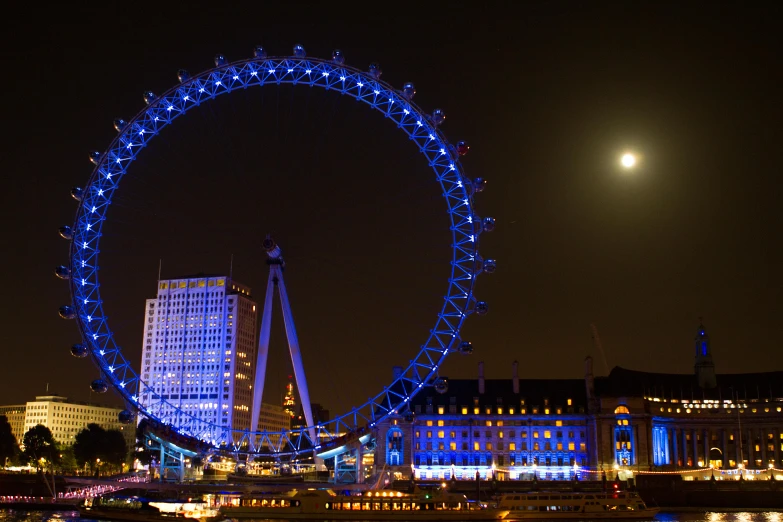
<point x="13" y="515"/>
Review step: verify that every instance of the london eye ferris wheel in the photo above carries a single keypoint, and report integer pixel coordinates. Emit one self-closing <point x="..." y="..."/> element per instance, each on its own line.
<point x="397" y="106"/>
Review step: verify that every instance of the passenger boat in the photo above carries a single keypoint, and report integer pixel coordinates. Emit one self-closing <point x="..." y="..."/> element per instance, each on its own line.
<point x="592" y="505"/>
<point x="326" y="504"/>
<point x="141" y="509"/>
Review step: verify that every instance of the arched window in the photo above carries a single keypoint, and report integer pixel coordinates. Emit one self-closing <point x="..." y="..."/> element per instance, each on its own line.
<point x="623" y="437"/>
<point x="394" y="447"/>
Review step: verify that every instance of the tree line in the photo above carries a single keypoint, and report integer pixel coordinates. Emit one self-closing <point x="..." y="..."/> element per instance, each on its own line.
<point x="95" y="450"/>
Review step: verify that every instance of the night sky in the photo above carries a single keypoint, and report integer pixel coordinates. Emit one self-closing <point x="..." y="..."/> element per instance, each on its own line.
<point x="548" y="94"/>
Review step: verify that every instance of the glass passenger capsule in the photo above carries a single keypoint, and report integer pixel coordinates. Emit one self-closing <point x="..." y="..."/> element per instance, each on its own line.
<point x="490" y="265"/>
<point x="65" y="232"/>
<point x="125" y="417"/>
<point x="438" y="116"/>
<point x="67" y="312"/>
<point x="95" y="157"/>
<point x="183" y="75"/>
<point x="482" y="308"/>
<point x="375" y="70"/>
<point x="63" y="272"/>
<point x="149" y="97"/>
<point x="99" y="386"/>
<point x="299" y="51"/>
<point x="220" y="60"/>
<point x="119" y="124"/>
<point x="77" y="193"/>
<point x="79" y="350"/>
<point x="338" y="57"/>
<point x="441" y="385"/>
<point x="466" y="348"/>
<point x="259" y="52"/>
<point x="462" y="148"/>
<point x="409" y="90"/>
<point x="489" y="224"/>
<point x="479" y="184"/>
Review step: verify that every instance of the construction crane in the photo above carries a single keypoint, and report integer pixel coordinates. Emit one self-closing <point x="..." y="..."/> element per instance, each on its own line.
<point x="599" y="347"/>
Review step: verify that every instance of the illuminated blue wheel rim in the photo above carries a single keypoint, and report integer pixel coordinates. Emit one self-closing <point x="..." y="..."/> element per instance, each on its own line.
<point x="133" y="135"/>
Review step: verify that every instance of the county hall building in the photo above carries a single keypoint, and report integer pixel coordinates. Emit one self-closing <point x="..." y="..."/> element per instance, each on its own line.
<point x="629" y="421"/>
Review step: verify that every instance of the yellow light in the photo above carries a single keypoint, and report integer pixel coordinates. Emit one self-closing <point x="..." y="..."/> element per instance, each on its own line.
<point x="628" y="160"/>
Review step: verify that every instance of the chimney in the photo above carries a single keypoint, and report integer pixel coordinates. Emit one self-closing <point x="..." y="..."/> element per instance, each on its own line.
<point x="589" y="382"/>
<point x="515" y="376"/>
<point x="481" y="378"/>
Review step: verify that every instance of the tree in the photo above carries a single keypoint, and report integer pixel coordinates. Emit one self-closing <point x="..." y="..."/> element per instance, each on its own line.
<point x="142" y="453"/>
<point x="114" y="449"/>
<point x="9" y="447"/>
<point x="67" y="461"/>
<point x="95" y="446"/>
<point x="87" y="446"/>
<point x="39" y="444"/>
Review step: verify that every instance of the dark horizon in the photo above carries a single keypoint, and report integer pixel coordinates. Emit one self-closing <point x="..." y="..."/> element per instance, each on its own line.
<point x="547" y="94"/>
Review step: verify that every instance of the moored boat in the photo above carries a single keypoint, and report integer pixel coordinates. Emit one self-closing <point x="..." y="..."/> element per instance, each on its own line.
<point x="571" y="505"/>
<point x="369" y="505"/>
<point x="127" y="508"/>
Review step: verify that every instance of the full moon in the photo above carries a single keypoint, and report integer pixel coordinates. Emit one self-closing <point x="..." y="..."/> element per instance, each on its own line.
<point x="628" y="160"/>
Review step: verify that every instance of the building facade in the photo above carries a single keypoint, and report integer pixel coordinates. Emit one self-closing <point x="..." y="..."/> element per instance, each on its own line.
<point x="628" y="421"/>
<point x="15" y="414"/>
<point x="199" y="348"/>
<point x="64" y="418"/>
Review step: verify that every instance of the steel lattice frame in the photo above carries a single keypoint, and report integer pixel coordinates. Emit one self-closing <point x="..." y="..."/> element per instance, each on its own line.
<point x="161" y="111"/>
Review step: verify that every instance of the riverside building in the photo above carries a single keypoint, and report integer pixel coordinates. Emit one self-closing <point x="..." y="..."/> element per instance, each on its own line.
<point x="64" y="418"/>
<point x="200" y="343"/>
<point x="628" y="422"/>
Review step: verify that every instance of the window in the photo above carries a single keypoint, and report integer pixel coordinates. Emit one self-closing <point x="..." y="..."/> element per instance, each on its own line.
<point x="621" y="410"/>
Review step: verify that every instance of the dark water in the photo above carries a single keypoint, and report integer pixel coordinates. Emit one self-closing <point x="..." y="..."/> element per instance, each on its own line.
<point x="12" y="515"/>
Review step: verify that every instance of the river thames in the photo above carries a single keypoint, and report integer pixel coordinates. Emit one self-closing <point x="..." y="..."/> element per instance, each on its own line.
<point x="13" y="515"/>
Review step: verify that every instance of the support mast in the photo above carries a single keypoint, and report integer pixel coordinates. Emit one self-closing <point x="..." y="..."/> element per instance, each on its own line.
<point x="276" y="266"/>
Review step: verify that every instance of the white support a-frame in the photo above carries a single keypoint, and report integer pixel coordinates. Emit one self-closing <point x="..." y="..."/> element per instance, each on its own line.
<point x="276" y="266"/>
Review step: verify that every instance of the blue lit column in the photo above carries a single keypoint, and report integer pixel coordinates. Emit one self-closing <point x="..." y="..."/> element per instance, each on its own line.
<point x="668" y="454"/>
<point x="675" y="447"/>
